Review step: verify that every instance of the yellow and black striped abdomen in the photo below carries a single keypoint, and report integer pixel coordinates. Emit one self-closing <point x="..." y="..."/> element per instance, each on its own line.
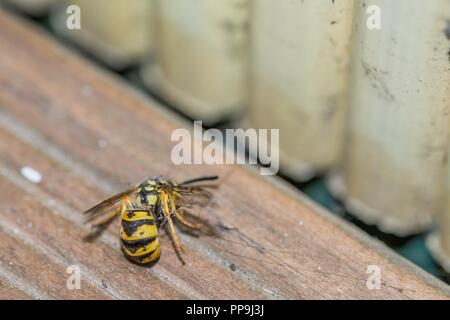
<point x="139" y="237"/>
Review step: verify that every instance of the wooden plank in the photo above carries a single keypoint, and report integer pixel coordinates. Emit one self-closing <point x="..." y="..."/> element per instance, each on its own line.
<point x="89" y="135"/>
<point x="38" y="267"/>
<point x="59" y="183"/>
<point x="9" y="290"/>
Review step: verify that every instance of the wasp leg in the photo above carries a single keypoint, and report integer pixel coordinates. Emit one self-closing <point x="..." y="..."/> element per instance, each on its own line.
<point x="125" y="203"/>
<point x="105" y="219"/>
<point x="101" y="223"/>
<point x="178" y="245"/>
<point x="180" y="217"/>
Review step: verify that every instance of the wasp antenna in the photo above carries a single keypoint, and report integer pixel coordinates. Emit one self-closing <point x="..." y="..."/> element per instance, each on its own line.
<point x="207" y="178"/>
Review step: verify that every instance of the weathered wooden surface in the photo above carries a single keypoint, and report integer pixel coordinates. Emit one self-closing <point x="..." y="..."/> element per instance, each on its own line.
<point x="89" y="135"/>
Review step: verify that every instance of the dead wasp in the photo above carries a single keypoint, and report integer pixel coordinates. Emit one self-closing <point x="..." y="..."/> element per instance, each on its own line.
<point x="154" y="203"/>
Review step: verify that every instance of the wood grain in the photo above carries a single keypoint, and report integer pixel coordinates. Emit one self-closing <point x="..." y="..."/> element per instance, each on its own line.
<point x="13" y="288"/>
<point x="90" y="134"/>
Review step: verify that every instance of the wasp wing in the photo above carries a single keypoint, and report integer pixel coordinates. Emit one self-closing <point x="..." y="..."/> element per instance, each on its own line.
<point x="188" y="197"/>
<point x="105" y="205"/>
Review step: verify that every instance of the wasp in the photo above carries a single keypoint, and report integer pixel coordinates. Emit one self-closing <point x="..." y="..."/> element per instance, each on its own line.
<point x="144" y="209"/>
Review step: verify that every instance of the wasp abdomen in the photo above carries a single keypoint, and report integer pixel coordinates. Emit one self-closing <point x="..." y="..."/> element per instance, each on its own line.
<point x="139" y="236"/>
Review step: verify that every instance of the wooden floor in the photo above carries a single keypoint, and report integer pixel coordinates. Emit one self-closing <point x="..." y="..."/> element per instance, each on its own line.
<point x="90" y="135"/>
